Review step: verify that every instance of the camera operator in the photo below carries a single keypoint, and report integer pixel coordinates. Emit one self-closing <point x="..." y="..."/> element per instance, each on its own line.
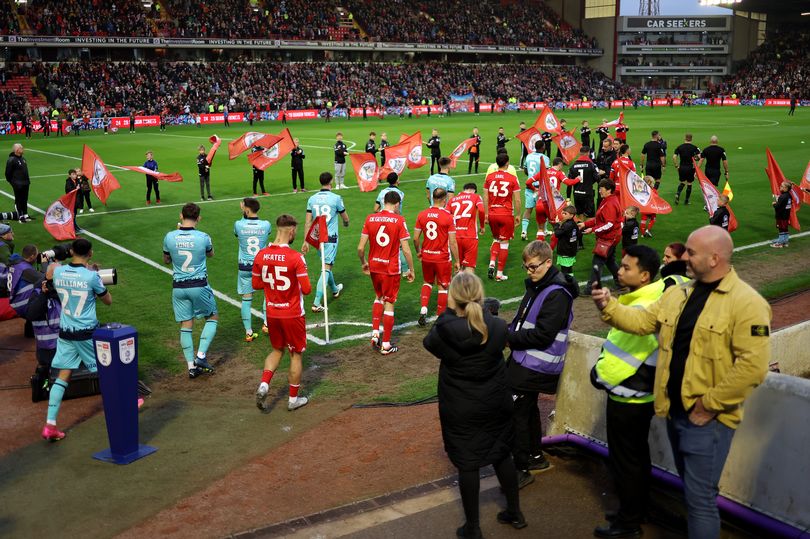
<point x="6" y="253"/>
<point x="78" y="285"/>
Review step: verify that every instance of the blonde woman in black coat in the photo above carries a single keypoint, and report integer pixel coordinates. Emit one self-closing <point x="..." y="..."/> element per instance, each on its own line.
<point x="475" y="403"/>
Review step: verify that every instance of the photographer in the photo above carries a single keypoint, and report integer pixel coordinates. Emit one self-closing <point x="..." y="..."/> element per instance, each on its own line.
<point x="78" y="285"/>
<point x="6" y="251"/>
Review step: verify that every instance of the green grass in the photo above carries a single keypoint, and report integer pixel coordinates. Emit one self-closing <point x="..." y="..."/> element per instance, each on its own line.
<point x="143" y="295"/>
<point x="411" y="390"/>
<point x="786" y="286"/>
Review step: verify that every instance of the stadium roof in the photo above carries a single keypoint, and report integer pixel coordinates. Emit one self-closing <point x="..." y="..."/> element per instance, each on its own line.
<point x="782" y="7"/>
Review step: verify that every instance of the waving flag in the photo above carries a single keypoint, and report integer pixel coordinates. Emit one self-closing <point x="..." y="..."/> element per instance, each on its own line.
<point x="396" y="159"/>
<point x="614" y="123"/>
<point x="249" y="140"/>
<point x="568" y="144"/>
<point x="216" y="141"/>
<point x="59" y="217"/>
<point x="414" y="142"/>
<point x="547" y="121"/>
<point x="710" y="196"/>
<point x="634" y="191"/>
<point x="727" y="191"/>
<point x="101" y="181"/>
<point x="318" y="233"/>
<point x="805" y="185"/>
<point x="263" y="159"/>
<point x="366" y="170"/>
<point x="460" y="149"/>
<point x="173" y="177"/>
<point x="776" y="177"/>
<point x="528" y="137"/>
<point x="549" y="194"/>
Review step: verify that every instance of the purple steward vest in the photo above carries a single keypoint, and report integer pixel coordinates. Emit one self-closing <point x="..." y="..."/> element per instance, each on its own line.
<point x="46" y="331"/>
<point x="19" y="292"/>
<point x="552" y="359"/>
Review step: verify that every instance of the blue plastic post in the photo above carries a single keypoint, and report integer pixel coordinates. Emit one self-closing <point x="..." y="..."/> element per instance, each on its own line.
<point x="117" y="358"/>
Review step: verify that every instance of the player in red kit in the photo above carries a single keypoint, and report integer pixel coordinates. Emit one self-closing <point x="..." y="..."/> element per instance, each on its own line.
<point x="439" y="228"/>
<point x="502" y="212"/>
<point x="385" y="233"/>
<point x="467" y="208"/>
<point x="282" y="273"/>
<point x="625" y="160"/>
<point x="557" y="177"/>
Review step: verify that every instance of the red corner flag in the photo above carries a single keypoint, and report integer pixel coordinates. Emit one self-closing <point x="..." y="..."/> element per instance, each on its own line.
<point x="318" y="232"/>
<point x="173" y="177"/>
<point x="710" y="196"/>
<point x="776" y="177"/>
<point x="528" y="138"/>
<point x="59" y="217"/>
<point x="366" y="170"/>
<point x="275" y="151"/>
<point x="547" y="121"/>
<point x="634" y="191"/>
<point x="460" y="149"/>
<point x="101" y="181"/>
<point x="247" y="141"/>
<point x="568" y="145"/>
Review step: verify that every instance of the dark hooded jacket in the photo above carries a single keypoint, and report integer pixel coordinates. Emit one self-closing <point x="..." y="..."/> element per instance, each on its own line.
<point x="475" y="404"/>
<point x="551" y="319"/>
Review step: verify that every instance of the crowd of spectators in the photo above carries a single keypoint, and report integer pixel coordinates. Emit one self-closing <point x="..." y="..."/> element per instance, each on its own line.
<point x="530" y="23"/>
<point x="179" y="86"/>
<point x="11" y="103"/>
<point x="87" y="18"/>
<point x="780" y="67"/>
<point x="509" y="22"/>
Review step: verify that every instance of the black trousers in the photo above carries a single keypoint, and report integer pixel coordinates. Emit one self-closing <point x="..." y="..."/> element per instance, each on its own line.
<point x="434" y="160"/>
<point x="713" y="175"/>
<point x="152" y="183"/>
<point x="628" y="426"/>
<point x="21" y="197"/>
<point x="469" y="485"/>
<point x="298" y="174"/>
<point x="474" y="158"/>
<point x="600" y="262"/>
<point x="528" y="428"/>
<point x="258" y="178"/>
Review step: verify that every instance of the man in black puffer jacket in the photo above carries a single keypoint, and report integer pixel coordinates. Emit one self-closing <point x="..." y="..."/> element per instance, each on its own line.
<point x="538" y="338"/>
<point x="17" y="176"/>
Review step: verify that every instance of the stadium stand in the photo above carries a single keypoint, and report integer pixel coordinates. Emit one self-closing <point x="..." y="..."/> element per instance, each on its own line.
<point x="778" y="68"/>
<point x="86" y="18"/>
<point x="152" y="87"/>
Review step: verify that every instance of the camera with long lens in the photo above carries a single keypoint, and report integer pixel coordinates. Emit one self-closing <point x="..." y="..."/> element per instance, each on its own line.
<point x="57" y="252"/>
<point x="9" y="216"/>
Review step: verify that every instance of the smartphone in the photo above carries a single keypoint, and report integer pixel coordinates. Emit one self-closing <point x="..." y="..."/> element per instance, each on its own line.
<point x="598" y="270"/>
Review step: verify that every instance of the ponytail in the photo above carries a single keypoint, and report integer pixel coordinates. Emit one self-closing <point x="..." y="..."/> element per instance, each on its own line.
<point x="467" y="293"/>
<point x="474" y="313"/>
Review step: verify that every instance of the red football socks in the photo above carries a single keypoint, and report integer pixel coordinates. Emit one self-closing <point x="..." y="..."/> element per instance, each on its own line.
<point x="376" y="315"/>
<point x="426" y="290"/>
<point x="503" y="254"/>
<point x="442" y="302"/>
<point x="494" y="250"/>
<point x="388" y="326"/>
<point x="267" y="376"/>
<point x="294" y="390"/>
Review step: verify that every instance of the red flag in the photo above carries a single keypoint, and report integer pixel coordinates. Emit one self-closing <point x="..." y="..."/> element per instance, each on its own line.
<point x="366" y="170"/>
<point x="102" y="182"/>
<point x="460" y="149"/>
<point x="550" y="195"/>
<point x="249" y="140"/>
<point x="634" y="191"/>
<point x="614" y="123"/>
<point x="173" y="177"/>
<point x="318" y="233"/>
<point x="396" y="158"/>
<point x="776" y="177"/>
<point x="710" y="196"/>
<point x="568" y="144"/>
<point x="805" y="185"/>
<point x="414" y="142"/>
<point x="59" y="217"/>
<point x="216" y="141"/>
<point x="274" y="153"/>
<point x="547" y="121"/>
<point x="528" y="137"/>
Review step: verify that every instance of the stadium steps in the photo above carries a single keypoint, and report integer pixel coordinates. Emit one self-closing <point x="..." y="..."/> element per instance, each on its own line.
<point x="21" y="85"/>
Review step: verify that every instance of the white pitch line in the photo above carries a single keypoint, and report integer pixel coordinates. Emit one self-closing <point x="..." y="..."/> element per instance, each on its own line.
<point x="69" y="157"/>
<point x="350" y="143"/>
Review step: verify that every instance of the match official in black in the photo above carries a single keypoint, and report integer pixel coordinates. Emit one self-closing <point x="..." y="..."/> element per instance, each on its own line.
<point x="656" y="162"/>
<point x="683" y="159"/>
<point x="297" y="163"/>
<point x="714" y="155"/>
<point x="434" y="143"/>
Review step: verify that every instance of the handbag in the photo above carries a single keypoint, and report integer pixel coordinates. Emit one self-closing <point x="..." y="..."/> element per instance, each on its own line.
<point x="602" y="247"/>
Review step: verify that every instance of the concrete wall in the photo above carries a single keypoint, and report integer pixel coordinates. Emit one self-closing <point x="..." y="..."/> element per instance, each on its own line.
<point x="769" y="464"/>
<point x="603" y="29"/>
<point x="743" y="38"/>
<point x="789" y="347"/>
<point x="571" y="11"/>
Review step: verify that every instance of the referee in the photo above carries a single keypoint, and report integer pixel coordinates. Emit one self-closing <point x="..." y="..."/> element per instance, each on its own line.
<point x="713" y="156"/>
<point x="653" y="154"/>
<point x="683" y="159"/>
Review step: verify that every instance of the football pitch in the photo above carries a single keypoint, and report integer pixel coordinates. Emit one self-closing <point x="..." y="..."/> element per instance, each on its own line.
<point x="128" y="235"/>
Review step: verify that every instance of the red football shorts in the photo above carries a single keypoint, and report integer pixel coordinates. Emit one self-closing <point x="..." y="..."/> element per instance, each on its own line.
<point x="502" y="226"/>
<point x="440" y="272"/>
<point x="386" y="287"/>
<point x="468" y="251"/>
<point x="290" y="333"/>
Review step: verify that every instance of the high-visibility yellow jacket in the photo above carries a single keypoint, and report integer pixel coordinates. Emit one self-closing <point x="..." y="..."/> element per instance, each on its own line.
<point x="730" y="349"/>
<point x="626" y="366"/>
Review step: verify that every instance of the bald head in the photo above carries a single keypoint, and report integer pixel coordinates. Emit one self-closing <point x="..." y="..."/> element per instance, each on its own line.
<point x="713" y="140"/>
<point x="708" y="253"/>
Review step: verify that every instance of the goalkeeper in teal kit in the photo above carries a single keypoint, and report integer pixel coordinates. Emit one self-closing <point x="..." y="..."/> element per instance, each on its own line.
<point x="330" y="205"/>
<point x="252" y="234"/>
<point x="186" y="249"/>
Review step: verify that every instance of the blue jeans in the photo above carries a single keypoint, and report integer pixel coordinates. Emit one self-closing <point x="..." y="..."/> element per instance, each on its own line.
<point x="700" y="454"/>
